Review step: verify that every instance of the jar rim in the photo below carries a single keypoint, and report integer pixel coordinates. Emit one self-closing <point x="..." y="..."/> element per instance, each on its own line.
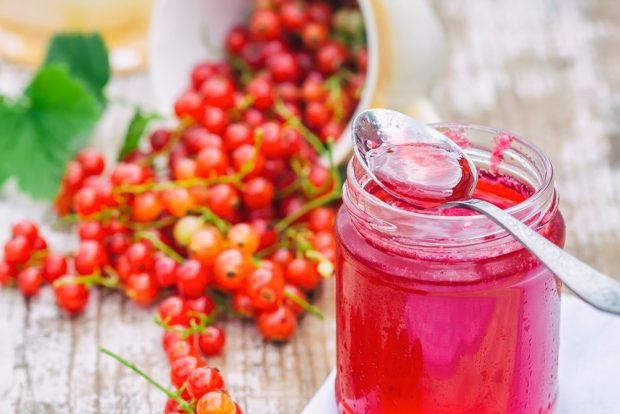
<point x="543" y="198"/>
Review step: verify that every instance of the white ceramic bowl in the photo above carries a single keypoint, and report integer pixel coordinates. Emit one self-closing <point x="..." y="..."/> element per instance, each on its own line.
<point x="405" y="45"/>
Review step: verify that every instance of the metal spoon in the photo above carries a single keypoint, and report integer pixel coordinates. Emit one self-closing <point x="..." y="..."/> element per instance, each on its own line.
<point x="379" y="135"/>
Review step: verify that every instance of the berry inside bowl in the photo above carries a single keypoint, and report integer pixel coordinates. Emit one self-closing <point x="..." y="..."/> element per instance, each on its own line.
<point x="398" y="74"/>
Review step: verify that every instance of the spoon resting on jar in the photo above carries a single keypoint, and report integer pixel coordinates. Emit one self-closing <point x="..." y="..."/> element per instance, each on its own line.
<point x="418" y="165"/>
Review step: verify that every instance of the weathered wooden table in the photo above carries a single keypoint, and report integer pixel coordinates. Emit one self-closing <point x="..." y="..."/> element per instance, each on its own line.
<point x="546" y="69"/>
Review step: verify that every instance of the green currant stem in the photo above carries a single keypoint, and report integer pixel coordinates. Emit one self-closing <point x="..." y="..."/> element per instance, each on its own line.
<point x="302" y="177"/>
<point x="160" y="245"/>
<point x="334" y="86"/>
<point x="288" y="190"/>
<point x="194" y="328"/>
<point x="183" y="405"/>
<point x="267" y="251"/>
<point x="95" y="278"/>
<point x="169" y="185"/>
<point x="300" y="238"/>
<point x="305" y="305"/>
<point x="324" y="267"/>
<point x="153" y="225"/>
<point x="245" y="72"/>
<point x="210" y="217"/>
<point x="306" y="208"/>
<point x="104" y="214"/>
<point x="296" y="123"/>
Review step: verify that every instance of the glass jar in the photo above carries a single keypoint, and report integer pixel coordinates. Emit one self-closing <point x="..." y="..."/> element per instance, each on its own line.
<point x="448" y="314"/>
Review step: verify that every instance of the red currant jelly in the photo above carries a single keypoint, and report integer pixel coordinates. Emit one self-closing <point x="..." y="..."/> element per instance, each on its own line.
<point x="440" y="311"/>
<point x="424" y="175"/>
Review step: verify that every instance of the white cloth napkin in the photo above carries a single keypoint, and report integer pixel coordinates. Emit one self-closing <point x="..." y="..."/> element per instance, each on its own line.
<point x="589" y="364"/>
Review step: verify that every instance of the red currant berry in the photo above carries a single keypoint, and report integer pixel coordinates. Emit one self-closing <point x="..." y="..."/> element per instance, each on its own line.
<point x="173" y="311"/>
<point x="184" y="169"/>
<point x="237" y="38"/>
<point x="246" y="158"/>
<point x="91" y="230"/>
<point x="242" y="305"/>
<point x="192" y="279"/>
<point x="302" y="273"/>
<point x="178" y="201"/>
<point x="218" y="91"/>
<point x="70" y="296"/>
<point x="215" y="402"/>
<point x="201" y="73"/>
<point x="7" y="273"/>
<point x="230" y="269"/>
<point x="203" y="304"/>
<point x="182" y="368"/>
<point x="236" y="135"/>
<point x="283" y="67"/>
<point x="146" y="207"/>
<point x="253" y="117"/>
<point x="211" y="341"/>
<point x="322" y="218"/>
<point x="140" y="256"/>
<point x="25" y="228"/>
<point x="265" y="287"/>
<point x="91" y="160"/>
<point x="320" y="11"/>
<point x="211" y="162"/>
<point x="29" y="281"/>
<point x="142" y="288"/>
<point x="89" y="257"/>
<point x="258" y="193"/>
<point x="293" y="15"/>
<point x="180" y="349"/>
<point x="214" y="119"/>
<point x="74" y="176"/>
<point x="205" y="245"/>
<point x="314" y="35"/>
<point x="17" y="250"/>
<point x="264" y="25"/>
<point x="159" y="139"/>
<point x="277" y="325"/>
<point x="262" y="93"/>
<point x="125" y="173"/>
<point x="317" y="114"/>
<point x="282" y="256"/>
<point x="164" y="270"/>
<point x="54" y="266"/>
<point x="197" y="138"/>
<point x="188" y="106"/>
<point x="223" y="199"/>
<point x="86" y="202"/>
<point x="330" y="57"/>
<point x="203" y="380"/>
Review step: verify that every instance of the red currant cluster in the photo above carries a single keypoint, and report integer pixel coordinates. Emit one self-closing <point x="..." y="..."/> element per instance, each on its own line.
<point x="198" y="388"/>
<point x="233" y="210"/>
<point x="28" y="262"/>
<point x="293" y="60"/>
<point x="198" y="385"/>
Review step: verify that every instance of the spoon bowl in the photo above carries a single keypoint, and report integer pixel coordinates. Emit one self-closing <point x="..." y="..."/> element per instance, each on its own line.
<point x="412" y="161"/>
<point x="420" y="166"/>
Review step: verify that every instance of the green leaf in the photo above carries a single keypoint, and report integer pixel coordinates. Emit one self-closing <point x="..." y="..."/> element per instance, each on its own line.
<point x="85" y="56"/>
<point x="40" y="133"/>
<point x="138" y="124"/>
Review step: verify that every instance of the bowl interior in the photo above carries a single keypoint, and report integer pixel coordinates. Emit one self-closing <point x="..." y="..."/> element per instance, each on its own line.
<point x="186" y="32"/>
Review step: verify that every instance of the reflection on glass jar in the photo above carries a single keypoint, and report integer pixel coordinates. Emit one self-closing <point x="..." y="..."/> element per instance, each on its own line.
<point x="442" y="312"/>
<point x="26" y="26"/>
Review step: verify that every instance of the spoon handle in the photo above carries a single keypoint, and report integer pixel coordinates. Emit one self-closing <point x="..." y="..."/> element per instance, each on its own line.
<point x="594" y="287"/>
